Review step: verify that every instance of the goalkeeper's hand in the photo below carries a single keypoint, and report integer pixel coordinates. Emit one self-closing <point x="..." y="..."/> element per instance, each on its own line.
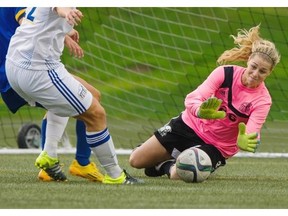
<point x="247" y="142"/>
<point x="209" y="109"/>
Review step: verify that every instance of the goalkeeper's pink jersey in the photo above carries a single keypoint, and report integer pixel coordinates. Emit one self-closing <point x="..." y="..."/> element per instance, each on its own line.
<point x="248" y="105"/>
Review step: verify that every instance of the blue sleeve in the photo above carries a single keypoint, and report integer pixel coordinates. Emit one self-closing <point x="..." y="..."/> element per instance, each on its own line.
<point x="19" y="13"/>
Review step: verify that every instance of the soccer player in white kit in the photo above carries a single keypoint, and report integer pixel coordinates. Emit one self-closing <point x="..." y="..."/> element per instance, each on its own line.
<point x="34" y="70"/>
<point x="52" y="131"/>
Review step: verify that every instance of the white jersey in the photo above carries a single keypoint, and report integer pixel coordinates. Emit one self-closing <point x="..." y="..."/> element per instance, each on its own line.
<point x="34" y="69"/>
<point x="39" y="42"/>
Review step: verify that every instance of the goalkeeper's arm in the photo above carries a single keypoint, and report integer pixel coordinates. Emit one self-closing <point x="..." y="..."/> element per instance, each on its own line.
<point x="209" y="109"/>
<point x="247" y="142"/>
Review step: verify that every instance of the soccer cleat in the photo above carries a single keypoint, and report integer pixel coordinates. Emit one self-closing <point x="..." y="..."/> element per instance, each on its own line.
<point x="158" y="170"/>
<point x="51" y="166"/>
<point x="124" y="178"/>
<point x="90" y="171"/>
<point x="43" y="176"/>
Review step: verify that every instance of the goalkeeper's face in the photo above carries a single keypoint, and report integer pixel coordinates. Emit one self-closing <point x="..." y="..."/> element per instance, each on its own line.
<point x="258" y="69"/>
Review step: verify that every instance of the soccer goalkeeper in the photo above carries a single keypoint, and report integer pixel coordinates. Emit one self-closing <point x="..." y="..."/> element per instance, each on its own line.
<point x="223" y="115"/>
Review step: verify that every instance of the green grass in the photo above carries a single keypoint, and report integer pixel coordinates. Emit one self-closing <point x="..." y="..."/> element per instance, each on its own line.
<point x="244" y="183"/>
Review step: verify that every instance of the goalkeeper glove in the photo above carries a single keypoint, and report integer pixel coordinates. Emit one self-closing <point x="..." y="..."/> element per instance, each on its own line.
<point x="209" y="109"/>
<point x="247" y="142"/>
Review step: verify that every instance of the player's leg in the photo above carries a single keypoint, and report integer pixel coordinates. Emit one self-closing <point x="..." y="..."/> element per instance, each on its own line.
<point x="82" y="166"/>
<point x="54" y="131"/>
<point x="83" y="151"/>
<point x="24" y="83"/>
<point x="42" y="175"/>
<point x="149" y="154"/>
<point x="99" y="138"/>
<point x="62" y="94"/>
<point x="26" y="87"/>
<point x="101" y="143"/>
<point x="158" y="154"/>
<point x="48" y="159"/>
<point x="14" y="102"/>
<point x="97" y="133"/>
<point x="152" y="156"/>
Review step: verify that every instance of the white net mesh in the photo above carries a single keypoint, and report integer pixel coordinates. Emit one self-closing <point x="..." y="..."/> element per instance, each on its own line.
<point x="145" y="60"/>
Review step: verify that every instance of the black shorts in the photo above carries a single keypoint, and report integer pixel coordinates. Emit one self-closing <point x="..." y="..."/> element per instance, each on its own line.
<point x="176" y="136"/>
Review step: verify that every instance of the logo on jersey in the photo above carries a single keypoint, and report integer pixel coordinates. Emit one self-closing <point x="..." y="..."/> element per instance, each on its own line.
<point x="232" y="117"/>
<point x="82" y="91"/>
<point x="164" y="130"/>
<point x="245" y="107"/>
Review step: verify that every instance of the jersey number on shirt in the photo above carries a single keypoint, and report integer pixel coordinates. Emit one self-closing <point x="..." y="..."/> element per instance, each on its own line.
<point x="30" y="14"/>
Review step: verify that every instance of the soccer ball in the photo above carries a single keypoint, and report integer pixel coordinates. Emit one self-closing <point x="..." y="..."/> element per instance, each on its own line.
<point x="193" y="165"/>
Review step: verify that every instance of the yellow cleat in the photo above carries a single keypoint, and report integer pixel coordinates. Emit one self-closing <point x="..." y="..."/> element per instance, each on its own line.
<point x="89" y="172"/>
<point x="51" y="166"/>
<point x="43" y="176"/>
<point x="124" y="178"/>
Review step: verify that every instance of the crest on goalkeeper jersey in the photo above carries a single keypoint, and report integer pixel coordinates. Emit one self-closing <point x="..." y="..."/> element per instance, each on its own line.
<point x="164" y="130"/>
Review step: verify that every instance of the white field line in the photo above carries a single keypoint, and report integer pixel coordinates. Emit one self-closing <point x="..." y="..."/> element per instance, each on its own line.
<point x="59" y="151"/>
<point x="128" y="151"/>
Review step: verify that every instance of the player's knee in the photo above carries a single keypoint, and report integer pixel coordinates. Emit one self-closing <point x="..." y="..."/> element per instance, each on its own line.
<point x="95" y="114"/>
<point x="134" y="162"/>
<point x="96" y="94"/>
<point x="97" y="111"/>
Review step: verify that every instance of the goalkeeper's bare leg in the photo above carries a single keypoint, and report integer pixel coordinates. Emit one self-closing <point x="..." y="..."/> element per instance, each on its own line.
<point x="152" y="156"/>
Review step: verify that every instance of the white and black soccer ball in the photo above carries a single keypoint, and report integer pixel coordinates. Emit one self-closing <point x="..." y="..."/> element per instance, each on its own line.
<point x="193" y="165"/>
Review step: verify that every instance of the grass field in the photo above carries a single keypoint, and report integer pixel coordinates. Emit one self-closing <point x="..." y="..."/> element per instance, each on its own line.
<point x="244" y="183"/>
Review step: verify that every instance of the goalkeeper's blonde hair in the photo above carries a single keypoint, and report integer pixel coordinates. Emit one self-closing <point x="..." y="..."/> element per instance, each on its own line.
<point x="249" y="43"/>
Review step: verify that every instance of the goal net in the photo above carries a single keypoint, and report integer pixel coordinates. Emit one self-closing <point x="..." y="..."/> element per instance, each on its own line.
<point x="145" y="60"/>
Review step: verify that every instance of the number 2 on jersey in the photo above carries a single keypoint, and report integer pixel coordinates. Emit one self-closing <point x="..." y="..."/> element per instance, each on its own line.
<point x="30" y="14"/>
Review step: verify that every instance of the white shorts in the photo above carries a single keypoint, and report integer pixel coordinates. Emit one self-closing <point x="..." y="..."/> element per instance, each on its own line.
<point x="56" y="90"/>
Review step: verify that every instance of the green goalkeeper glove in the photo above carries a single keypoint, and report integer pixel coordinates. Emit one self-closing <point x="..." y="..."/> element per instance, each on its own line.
<point x="247" y="142"/>
<point x="209" y="109"/>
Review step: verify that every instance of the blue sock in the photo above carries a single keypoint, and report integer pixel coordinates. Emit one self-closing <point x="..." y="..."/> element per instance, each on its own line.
<point x="43" y="132"/>
<point x="83" y="151"/>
